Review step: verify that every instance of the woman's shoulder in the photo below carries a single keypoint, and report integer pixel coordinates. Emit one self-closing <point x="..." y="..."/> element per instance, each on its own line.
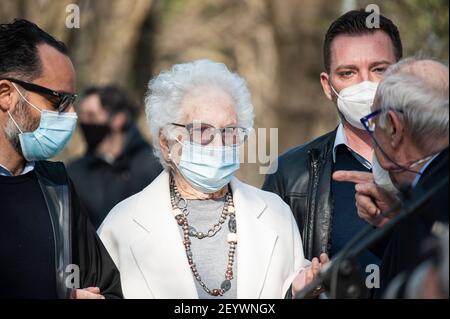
<point x="121" y="213"/>
<point x="125" y="211"/>
<point x="272" y="200"/>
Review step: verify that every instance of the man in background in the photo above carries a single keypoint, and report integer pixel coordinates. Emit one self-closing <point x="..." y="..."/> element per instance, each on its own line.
<point x="118" y="161"/>
<point x="355" y="59"/>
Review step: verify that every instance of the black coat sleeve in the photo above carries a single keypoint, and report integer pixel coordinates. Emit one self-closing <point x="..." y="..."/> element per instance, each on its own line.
<point x="97" y="269"/>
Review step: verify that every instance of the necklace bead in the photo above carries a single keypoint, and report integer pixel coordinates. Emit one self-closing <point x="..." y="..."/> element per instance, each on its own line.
<point x="192" y="231"/>
<point x="232" y="238"/>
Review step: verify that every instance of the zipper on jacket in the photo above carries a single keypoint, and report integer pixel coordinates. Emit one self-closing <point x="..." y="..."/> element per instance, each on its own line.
<point x="314" y="175"/>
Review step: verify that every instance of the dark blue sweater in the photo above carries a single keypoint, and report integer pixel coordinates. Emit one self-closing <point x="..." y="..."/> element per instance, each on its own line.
<point x="27" y="249"/>
<point x="345" y="220"/>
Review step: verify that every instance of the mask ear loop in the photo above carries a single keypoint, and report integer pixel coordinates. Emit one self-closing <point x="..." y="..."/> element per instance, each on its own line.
<point x="169" y="155"/>
<point x="23" y="97"/>
<point x="15" y="123"/>
<point x="174" y="137"/>
<point x="341" y="116"/>
<point x="334" y="90"/>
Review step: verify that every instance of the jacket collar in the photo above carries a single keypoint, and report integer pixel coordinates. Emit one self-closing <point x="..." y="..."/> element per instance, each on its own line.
<point x="55" y="187"/>
<point x="160" y="254"/>
<point x="29" y="166"/>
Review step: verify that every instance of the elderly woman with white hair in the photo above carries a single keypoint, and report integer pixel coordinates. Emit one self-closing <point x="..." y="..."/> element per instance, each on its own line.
<point x="196" y="231"/>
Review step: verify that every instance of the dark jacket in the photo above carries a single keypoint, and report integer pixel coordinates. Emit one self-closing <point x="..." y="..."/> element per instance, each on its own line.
<point x="76" y="241"/>
<point x="303" y="181"/>
<point x="405" y="245"/>
<point x="102" y="185"/>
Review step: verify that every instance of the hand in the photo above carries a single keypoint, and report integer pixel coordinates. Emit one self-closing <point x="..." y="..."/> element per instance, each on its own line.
<point x="371" y="199"/>
<point x="87" y="293"/>
<point x="306" y="276"/>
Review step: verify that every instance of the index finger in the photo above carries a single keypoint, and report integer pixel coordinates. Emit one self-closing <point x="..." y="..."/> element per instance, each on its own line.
<point x="353" y="177"/>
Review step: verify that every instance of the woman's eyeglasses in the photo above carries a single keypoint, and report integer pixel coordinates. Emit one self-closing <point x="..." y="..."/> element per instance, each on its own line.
<point x="202" y="133"/>
<point x="61" y="101"/>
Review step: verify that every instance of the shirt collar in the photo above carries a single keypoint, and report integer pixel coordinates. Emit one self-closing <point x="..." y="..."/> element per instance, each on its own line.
<point x="341" y="139"/>
<point x="29" y="166"/>
<point x="422" y="170"/>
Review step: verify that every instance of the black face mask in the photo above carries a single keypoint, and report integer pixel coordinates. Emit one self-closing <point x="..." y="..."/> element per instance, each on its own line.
<point x="94" y="134"/>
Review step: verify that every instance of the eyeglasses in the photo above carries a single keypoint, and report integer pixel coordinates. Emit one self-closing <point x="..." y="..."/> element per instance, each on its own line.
<point x="64" y="99"/>
<point x="369" y="122"/>
<point x="202" y="133"/>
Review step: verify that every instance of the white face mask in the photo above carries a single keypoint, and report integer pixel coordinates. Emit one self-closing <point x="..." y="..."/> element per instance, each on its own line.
<point x="356" y="101"/>
<point x="382" y="177"/>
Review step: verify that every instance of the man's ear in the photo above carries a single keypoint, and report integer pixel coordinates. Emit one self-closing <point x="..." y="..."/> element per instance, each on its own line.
<point x="326" y="87"/>
<point x="8" y="98"/>
<point x="395" y="128"/>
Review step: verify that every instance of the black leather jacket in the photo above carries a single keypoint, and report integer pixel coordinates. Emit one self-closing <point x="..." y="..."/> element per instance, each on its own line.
<point x="303" y="181"/>
<point x="76" y="241"/>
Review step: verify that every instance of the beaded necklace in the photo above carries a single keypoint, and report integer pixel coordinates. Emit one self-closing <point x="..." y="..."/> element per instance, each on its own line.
<point x="181" y="212"/>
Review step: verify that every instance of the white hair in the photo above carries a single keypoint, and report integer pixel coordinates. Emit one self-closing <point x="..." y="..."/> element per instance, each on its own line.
<point x="166" y="91"/>
<point x="424" y="105"/>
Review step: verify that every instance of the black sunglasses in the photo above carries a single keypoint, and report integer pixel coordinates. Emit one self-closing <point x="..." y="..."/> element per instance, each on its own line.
<point x="64" y="99"/>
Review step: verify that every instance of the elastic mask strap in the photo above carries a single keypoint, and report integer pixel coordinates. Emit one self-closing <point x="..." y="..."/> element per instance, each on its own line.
<point x="334" y="90"/>
<point x="15" y="123"/>
<point x="23" y="97"/>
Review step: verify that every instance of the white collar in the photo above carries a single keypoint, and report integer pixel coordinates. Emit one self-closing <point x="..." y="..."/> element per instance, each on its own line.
<point x="341" y="139"/>
<point x="29" y="166"/>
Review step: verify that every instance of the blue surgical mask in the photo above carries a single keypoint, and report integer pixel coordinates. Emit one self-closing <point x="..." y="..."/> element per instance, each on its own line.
<point x="54" y="131"/>
<point x="208" y="168"/>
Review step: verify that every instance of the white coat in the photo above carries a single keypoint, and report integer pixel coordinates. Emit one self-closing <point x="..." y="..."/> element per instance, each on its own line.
<point x="143" y="239"/>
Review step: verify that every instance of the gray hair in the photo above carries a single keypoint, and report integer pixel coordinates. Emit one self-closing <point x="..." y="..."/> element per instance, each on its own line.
<point x="423" y="101"/>
<point x="166" y="91"/>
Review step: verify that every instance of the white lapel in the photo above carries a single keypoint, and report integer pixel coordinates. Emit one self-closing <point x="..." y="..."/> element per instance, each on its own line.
<point x="160" y="254"/>
<point x="256" y="241"/>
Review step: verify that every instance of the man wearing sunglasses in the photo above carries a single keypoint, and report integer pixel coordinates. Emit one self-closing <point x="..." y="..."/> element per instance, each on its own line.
<point x="48" y="247"/>
<point x="409" y="128"/>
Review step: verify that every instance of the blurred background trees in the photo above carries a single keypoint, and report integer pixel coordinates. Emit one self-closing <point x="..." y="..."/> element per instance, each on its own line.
<point x="276" y="45"/>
